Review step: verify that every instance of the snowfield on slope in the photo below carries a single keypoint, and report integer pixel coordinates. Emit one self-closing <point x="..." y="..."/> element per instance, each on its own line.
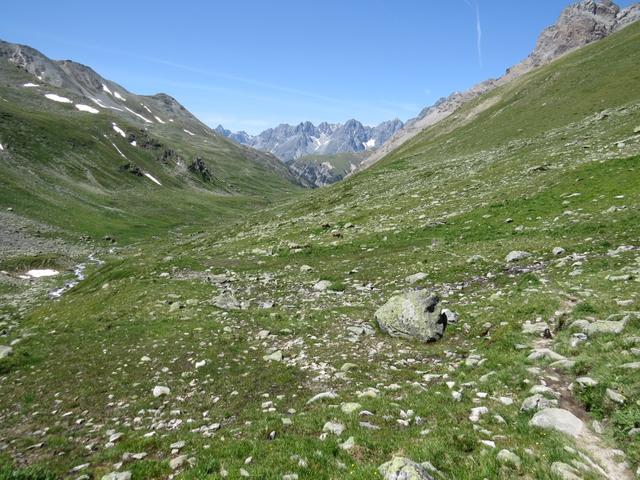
<point x="117" y="129"/>
<point x="152" y="178"/>
<point x="57" y="98"/>
<point x="86" y="108"/>
<point x="138" y="115"/>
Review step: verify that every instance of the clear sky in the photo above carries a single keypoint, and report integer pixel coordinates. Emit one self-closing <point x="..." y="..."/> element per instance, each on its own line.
<point x="253" y="64"/>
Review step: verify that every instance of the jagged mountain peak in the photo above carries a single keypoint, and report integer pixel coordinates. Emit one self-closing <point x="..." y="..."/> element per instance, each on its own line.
<point x="290" y="142"/>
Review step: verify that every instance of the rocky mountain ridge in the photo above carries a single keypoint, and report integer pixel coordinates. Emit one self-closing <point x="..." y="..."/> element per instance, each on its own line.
<point x="290" y="142"/>
<point x="579" y="24"/>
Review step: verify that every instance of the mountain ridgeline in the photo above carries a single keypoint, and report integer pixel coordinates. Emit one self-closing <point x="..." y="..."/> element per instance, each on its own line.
<point x="315" y="153"/>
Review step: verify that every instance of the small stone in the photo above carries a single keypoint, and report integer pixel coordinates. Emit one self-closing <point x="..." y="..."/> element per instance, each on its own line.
<point x="333" y="427"/>
<point x="350" y="407"/>
<point x="558" y="251"/>
<point x="117" y="476"/>
<point x="508" y="458"/>
<point x="631" y="366"/>
<point x="323" y="396"/>
<point x="159" y="391"/>
<point x="416" y="277"/>
<point x="177" y="462"/>
<point x="348" y="444"/>
<point x="477" y="412"/>
<point x="322" y="285"/>
<point x="615" y="396"/>
<point x="586" y="382"/>
<point x="545" y="353"/>
<point x="537" y="402"/>
<point x="516" y="256"/>
<point x="5" y="351"/>
<point x="564" y="471"/>
<point x="273" y="357"/>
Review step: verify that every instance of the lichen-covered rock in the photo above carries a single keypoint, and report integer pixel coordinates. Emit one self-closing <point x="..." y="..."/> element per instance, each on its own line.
<point x="400" y="468"/>
<point x="412" y="315"/>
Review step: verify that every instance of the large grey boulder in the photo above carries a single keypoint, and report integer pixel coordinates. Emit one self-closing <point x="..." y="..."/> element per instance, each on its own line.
<point x="558" y="419"/>
<point x="400" y="468"/>
<point x="605" y="326"/>
<point x="413" y="315"/>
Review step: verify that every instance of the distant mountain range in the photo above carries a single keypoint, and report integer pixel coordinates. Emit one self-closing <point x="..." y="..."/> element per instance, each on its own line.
<point x="290" y="142"/>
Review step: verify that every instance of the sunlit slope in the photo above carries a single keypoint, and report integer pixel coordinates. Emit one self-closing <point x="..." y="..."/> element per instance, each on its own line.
<point x="82" y="171"/>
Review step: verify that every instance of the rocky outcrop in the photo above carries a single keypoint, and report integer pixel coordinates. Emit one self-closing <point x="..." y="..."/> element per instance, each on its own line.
<point x="199" y="167"/>
<point x="414" y="315"/>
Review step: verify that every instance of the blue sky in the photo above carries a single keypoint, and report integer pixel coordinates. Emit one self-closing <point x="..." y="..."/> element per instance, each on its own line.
<point x="254" y="64"/>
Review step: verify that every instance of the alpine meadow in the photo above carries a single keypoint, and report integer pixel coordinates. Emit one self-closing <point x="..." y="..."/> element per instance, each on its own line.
<point x="454" y="296"/>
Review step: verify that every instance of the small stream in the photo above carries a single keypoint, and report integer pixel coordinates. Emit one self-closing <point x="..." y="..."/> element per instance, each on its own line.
<point x="78" y="271"/>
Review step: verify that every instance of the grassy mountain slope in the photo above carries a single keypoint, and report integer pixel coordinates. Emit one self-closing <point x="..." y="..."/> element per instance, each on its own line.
<point x="550" y="160"/>
<point x="65" y="167"/>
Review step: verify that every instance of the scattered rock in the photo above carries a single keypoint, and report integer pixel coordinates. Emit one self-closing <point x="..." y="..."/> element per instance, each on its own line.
<point x="5" y="351"/>
<point x="177" y="462"/>
<point x="226" y="301"/>
<point x="159" y="391"/>
<point x="537" y="402"/>
<point x="323" y="396"/>
<point x="564" y="471"/>
<point x="414" y="315"/>
<point x="508" y="458"/>
<point x="400" y="468"/>
<point x="558" y="251"/>
<point x="273" y="357"/>
<point x="117" y="476"/>
<point x="322" y="285"/>
<point x="558" y="419"/>
<point x="545" y="353"/>
<point x="517" y="255"/>
<point x="605" y="326"/>
<point x="350" y="407"/>
<point x="333" y="427"/>
<point x="615" y="396"/>
<point x="416" y="277"/>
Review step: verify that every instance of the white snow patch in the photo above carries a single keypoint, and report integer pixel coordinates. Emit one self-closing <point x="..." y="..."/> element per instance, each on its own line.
<point x="134" y="144"/>
<point x="106" y="89"/>
<point x="100" y="103"/>
<point x="86" y="108"/>
<point x="369" y="143"/>
<point x="116" y="147"/>
<point x="146" y="108"/>
<point x="152" y="178"/>
<point x="118" y="96"/>
<point x="117" y="129"/>
<point x="190" y="133"/>
<point x="158" y="119"/>
<point x="171" y="120"/>
<point x="1" y="147"/>
<point x="30" y="85"/>
<point x="42" y="273"/>
<point x="138" y="115"/>
<point x="327" y="165"/>
<point x="57" y="98"/>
